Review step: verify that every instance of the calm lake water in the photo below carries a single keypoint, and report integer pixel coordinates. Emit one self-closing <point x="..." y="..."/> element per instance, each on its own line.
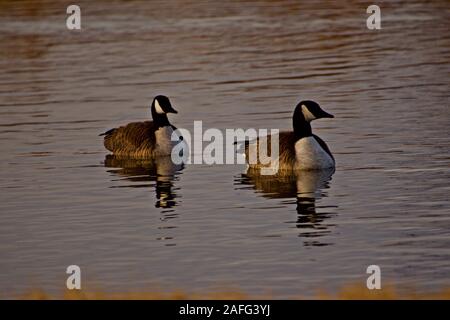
<point x="142" y="226"/>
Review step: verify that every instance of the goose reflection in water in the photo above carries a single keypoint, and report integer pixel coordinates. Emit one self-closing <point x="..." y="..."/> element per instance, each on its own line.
<point x="160" y="170"/>
<point x="306" y="187"/>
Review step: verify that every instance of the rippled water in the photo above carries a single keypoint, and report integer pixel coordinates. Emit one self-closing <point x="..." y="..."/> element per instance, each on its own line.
<point x="145" y="225"/>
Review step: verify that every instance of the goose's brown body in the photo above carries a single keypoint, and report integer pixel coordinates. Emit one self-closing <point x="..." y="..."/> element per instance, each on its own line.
<point x="287" y="153"/>
<point x="135" y="140"/>
<point x="147" y="139"/>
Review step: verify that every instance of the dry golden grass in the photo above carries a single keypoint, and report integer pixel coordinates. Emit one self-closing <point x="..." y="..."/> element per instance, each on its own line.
<point x="388" y="292"/>
<point x="349" y="292"/>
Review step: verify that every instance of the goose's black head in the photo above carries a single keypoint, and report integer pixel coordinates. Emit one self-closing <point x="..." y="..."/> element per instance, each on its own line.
<point x="305" y="112"/>
<point x="161" y="106"/>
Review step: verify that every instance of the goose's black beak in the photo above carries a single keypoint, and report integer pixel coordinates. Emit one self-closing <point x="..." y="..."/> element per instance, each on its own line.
<point x="324" y="114"/>
<point x="172" y="110"/>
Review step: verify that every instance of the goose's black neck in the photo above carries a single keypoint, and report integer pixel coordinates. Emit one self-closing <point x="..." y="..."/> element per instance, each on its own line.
<point x="302" y="128"/>
<point x="159" y="119"/>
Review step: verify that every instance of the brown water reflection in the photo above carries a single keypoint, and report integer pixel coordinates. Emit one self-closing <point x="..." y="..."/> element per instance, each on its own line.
<point x="306" y="187"/>
<point x="160" y="170"/>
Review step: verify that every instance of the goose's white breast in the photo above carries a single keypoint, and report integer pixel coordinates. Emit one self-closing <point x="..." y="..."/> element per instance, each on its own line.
<point x="164" y="144"/>
<point x="310" y="155"/>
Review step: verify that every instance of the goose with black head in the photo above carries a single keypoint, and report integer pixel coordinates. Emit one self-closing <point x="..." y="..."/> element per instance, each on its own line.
<point x="299" y="149"/>
<point x="146" y="139"/>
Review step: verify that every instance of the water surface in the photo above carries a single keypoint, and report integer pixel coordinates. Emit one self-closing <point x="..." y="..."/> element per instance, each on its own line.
<point x="147" y="225"/>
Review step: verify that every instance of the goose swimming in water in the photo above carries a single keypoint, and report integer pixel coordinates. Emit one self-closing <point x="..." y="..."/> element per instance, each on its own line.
<point x="147" y="139"/>
<point x="299" y="149"/>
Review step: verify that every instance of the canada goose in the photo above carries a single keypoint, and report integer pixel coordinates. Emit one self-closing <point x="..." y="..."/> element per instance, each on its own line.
<point x="147" y="139"/>
<point x="299" y="149"/>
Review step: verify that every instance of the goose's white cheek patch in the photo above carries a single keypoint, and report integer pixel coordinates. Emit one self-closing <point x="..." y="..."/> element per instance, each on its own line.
<point x="158" y="108"/>
<point x="307" y="114"/>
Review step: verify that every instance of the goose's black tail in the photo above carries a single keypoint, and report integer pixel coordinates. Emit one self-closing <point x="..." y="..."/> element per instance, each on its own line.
<point x="107" y="132"/>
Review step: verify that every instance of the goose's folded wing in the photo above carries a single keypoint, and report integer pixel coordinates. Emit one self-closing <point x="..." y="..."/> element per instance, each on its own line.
<point x="131" y="137"/>
<point x="286" y="146"/>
